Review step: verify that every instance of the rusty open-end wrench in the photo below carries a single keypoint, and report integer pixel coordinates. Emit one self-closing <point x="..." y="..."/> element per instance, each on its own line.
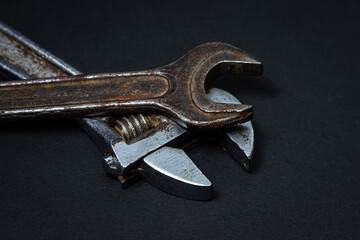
<point x="131" y="147"/>
<point x="177" y="90"/>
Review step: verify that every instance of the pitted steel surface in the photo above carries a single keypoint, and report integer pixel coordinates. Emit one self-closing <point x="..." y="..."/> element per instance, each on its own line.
<point x="176" y="90"/>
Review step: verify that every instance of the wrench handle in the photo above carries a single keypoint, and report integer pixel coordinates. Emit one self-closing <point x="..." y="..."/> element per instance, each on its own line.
<point x="79" y="95"/>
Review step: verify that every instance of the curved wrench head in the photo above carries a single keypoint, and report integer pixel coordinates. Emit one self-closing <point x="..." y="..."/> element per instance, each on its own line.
<point x="190" y="76"/>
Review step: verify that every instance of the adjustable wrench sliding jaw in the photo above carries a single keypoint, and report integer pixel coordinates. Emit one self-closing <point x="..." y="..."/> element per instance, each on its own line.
<point x="150" y="152"/>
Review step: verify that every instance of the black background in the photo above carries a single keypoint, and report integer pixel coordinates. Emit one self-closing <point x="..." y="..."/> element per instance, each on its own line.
<point x="306" y="170"/>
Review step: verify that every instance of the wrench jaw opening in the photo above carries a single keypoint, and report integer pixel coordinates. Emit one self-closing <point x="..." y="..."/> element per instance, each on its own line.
<point x="225" y="59"/>
<point x="190" y="77"/>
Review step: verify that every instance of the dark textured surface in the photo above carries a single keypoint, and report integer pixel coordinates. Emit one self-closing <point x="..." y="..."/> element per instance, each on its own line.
<point x="306" y="172"/>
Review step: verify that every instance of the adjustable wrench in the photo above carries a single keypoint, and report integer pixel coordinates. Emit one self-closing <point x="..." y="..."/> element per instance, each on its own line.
<point x="48" y="65"/>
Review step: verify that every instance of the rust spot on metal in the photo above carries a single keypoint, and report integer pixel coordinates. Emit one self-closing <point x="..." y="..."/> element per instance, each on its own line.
<point x="177" y="90"/>
<point x="27" y="60"/>
<point x="77" y="90"/>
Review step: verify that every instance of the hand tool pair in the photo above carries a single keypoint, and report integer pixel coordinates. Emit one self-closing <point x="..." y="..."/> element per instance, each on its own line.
<point x="144" y="144"/>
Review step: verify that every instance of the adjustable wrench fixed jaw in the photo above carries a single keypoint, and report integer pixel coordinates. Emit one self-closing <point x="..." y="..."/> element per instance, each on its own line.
<point x="176" y="90"/>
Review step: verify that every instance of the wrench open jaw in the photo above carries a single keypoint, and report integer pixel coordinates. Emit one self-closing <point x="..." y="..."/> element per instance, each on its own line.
<point x="177" y="90"/>
<point x="188" y="100"/>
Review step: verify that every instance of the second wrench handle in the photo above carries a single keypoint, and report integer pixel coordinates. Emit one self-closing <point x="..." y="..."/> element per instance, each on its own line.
<point x="79" y="95"/>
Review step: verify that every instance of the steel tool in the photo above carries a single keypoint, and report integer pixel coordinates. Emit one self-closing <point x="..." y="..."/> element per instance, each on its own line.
<point x="176" y="90"/>
<point x="144" y="145"/>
